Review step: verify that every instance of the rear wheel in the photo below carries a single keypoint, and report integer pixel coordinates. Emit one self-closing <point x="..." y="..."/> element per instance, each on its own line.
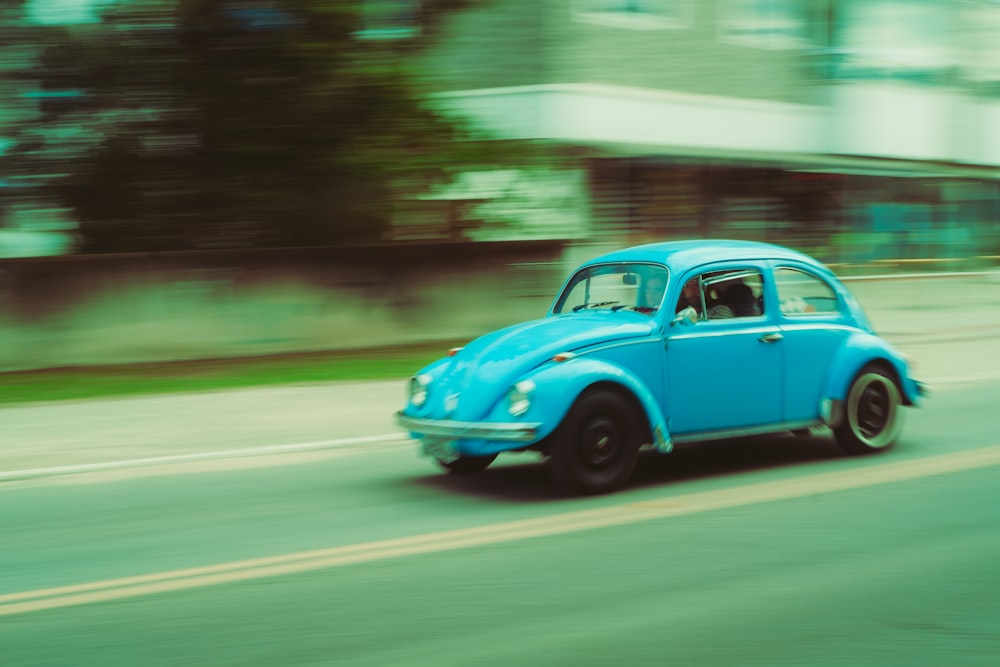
<point x="597" y="445"/>
<point x="465" y="465"/>
<point x="873" y="414"/>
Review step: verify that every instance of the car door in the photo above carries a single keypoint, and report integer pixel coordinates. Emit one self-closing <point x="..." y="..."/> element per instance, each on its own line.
<point x="724" y="372"/>
<point x="813" y="320"/>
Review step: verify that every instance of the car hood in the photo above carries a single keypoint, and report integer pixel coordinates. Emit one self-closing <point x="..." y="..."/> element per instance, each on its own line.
<point x="484" y="369"/>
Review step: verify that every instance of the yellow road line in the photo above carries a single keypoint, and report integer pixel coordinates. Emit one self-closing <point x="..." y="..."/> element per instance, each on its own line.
<point x="566" y="522"/>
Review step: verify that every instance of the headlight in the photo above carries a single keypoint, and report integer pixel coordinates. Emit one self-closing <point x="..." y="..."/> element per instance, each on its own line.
<point x="520" y="397"/>
<point x="418" y="389"/>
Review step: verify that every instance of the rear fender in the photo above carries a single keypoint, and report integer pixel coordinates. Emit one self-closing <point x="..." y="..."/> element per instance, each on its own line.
<point x="859" y="350"/>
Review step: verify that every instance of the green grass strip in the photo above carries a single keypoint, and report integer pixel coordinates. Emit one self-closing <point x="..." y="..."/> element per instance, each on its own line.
<point x="79" y="382"/>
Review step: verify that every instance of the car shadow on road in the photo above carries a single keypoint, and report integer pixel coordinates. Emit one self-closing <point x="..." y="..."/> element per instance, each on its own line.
<point x="526" y="480"/>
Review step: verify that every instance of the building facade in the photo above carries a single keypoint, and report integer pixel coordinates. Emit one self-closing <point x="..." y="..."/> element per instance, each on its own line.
<point x="854" y="129"/>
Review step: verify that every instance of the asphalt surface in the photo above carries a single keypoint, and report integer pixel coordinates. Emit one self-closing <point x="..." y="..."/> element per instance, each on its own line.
<point x="766" y="551"/>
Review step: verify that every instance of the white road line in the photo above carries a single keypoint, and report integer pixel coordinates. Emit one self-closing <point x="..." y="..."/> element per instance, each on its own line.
<point x="509" y="531"/>
<point x="949" y="382"/>
<point x="293" y="448"/>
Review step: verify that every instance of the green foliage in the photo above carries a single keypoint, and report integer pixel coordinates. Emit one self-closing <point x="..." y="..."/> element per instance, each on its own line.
<point x="181" y="124"/>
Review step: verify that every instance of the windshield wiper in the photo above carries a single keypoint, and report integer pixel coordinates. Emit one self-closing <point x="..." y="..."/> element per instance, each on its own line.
<point x="592" y="305"/>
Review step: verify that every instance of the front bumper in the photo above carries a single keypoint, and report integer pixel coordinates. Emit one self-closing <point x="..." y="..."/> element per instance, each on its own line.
<point x="525" y="432"/>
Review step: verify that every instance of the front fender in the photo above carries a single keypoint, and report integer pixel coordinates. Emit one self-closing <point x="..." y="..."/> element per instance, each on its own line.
<point x="558" y="384"/>
<point x="855" y="353"/>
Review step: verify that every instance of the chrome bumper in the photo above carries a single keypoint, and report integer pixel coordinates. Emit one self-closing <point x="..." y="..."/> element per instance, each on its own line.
<point x="458" y="430"/>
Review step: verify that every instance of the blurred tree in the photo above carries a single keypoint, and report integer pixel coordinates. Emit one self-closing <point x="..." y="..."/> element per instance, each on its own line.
<point x="176" y="124"/>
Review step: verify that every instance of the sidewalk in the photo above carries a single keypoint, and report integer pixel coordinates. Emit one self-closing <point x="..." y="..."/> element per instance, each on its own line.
<point x="930" y="306"/>
<point x="294" y="420"/>
<point x="950" y="326"/>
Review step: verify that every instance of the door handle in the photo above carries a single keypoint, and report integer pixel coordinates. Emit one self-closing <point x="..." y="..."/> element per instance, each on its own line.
<point x="770" y="338"/>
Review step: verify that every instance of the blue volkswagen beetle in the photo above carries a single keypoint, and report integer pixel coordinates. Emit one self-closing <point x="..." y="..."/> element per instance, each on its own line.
<point x="662" y="344"/>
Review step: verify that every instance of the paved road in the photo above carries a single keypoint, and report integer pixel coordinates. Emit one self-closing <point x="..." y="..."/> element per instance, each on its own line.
<point x="752" y="552"/>
<point x="285" y="420"/>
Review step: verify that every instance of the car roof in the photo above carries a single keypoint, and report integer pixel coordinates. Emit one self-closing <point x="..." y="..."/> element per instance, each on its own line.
<point x="680" y="256"/>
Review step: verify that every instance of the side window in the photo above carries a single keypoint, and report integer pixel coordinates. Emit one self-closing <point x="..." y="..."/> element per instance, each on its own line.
<point x="765" y="24"/>
<point x="723" y="295"/>
<point x="800" y="293"/>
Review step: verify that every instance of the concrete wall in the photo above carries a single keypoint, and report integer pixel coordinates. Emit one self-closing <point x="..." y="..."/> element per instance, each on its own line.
<point x="83" y="310"/>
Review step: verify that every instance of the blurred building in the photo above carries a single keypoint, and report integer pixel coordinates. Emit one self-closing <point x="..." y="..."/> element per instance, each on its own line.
<point x="855" y="129"/>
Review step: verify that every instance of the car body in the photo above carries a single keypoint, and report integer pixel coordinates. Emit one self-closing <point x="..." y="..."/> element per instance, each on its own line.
<point x="659" y="344"/>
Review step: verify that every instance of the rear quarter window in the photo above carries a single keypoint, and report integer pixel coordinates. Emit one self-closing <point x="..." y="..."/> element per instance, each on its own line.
<point x="803" y="294"/>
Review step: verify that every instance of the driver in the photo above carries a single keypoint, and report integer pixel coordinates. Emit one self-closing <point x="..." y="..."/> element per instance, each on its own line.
<point x="690" y="296"/>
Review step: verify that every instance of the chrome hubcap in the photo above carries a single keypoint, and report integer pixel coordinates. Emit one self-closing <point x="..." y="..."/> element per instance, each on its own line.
<point x="601" y="442"/>
<point x="873" y="411"/>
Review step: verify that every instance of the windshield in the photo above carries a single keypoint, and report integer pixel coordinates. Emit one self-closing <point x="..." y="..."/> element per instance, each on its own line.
<point x="635" y="287"/>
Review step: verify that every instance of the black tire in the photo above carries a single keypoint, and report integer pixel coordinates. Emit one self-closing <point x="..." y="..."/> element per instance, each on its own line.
<point x="873" y="413"/>
<point x="465" y="465"/>
<point x="597" y="445"/>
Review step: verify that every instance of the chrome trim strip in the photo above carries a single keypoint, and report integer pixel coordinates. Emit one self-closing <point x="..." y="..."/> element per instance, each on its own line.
<point x="820" y="325"/>
<point x="447" y="428"/>
<point x="824" y="313"/>
<point x="728" y="332"/>
<point x="619" y="343"/>
<point x="750" y="430"/>
<point x="768" y="329"/>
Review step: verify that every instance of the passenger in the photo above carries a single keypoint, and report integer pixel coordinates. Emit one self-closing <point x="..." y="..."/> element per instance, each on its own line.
<point x="739" y="297"/>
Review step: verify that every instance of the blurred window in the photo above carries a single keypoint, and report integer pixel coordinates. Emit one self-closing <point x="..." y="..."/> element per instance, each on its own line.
<point x="800" y="293"/>
<point x="764" y="24"/>
<point x="900" y="39"/>
<point x="979" y="41"/>
<point x="389" y="19"/>
<point x="636" y="14"/>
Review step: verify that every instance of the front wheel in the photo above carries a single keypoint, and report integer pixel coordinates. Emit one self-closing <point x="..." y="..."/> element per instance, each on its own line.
<point x="597" y="445"/>
<point x="465" y="465"/>
<point x="873" y="414"/>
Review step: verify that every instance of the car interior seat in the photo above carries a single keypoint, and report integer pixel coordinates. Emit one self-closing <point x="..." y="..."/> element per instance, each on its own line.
<point x="739" y="297"/>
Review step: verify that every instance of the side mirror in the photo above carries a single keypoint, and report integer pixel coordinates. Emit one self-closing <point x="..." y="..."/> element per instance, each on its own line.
<point x="687" y="317"/>
<point x="629" y="279"/>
